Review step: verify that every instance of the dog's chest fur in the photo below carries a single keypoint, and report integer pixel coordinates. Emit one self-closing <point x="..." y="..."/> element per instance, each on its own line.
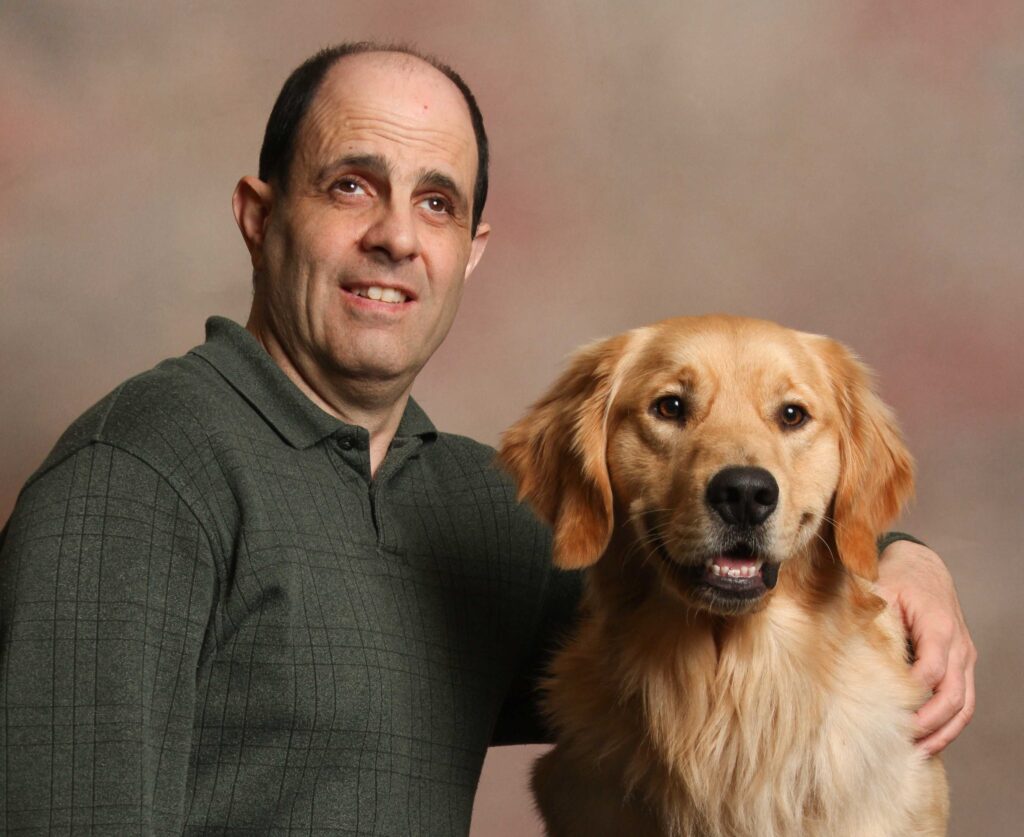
<point x="756" y="726"/>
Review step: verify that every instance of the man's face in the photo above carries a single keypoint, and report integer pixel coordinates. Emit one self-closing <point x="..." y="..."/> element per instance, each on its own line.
<point x="364" y="256"/>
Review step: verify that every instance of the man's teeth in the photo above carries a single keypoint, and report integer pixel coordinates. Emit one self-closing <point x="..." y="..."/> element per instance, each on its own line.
<point x="743" y="571"/>
<point x="380" y="294"/>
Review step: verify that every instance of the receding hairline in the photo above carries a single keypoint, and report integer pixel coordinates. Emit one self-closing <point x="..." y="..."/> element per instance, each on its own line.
<point x="406" y="60"/>
<point x="383" y="57"/>
<point x="389" y="54"/>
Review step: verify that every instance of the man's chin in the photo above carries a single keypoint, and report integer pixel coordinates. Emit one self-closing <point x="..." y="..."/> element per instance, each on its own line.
<point x="373" y="362"/>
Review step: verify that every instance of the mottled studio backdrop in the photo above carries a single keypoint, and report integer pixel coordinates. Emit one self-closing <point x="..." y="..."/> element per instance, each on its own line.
<point x="854" y="167"/>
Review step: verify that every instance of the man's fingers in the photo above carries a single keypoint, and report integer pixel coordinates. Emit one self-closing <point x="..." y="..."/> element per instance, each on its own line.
<point x="932" y="650"/>
<point x="938" y="740"/>
<point x="943" y="708"/>
<point x="951" y="708"/>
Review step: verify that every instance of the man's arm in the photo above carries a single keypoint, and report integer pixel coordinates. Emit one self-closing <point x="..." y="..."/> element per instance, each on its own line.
<point x="912" y="576"/>
<point x="106" y="586"/>
<point x="521" y="720"/>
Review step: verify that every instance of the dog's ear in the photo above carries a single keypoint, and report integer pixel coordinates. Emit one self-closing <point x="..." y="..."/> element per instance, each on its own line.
<point x="876" y="473"/>
<point x="557" y="455"/>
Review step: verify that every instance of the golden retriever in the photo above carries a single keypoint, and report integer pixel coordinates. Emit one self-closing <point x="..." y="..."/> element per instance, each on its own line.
<point x="724" y="480"/>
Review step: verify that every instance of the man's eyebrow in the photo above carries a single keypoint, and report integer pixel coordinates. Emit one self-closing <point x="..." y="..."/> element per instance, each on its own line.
<point x="434" y="179"/>
<point x="372" y="163"/>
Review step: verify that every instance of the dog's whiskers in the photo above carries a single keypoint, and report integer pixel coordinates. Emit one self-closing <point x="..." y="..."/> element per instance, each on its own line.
<point x="828" y="547"/>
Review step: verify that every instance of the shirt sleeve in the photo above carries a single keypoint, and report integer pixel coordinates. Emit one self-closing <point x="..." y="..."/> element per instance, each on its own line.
<point x="890" y="538"/>
<point x="106" y="590"/>
<point x="521" y="720"/>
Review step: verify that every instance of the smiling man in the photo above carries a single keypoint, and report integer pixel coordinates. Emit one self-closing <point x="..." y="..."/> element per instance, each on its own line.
<point x="362" y="246"/>
<point x="254" y="588"/>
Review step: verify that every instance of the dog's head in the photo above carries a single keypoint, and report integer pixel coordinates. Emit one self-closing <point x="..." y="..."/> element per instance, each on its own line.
<point x="718" y="447"/>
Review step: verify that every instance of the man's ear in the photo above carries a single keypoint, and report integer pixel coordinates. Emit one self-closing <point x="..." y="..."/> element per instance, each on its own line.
<point x="251" y="203"/>
<point x="557" y="454"/>
<point x="876" y="476"/>
<point x="477" y="247"/>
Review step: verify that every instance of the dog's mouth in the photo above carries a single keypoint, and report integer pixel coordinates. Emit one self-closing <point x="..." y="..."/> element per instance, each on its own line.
<point x="729" y="581"/>
<point x="739" y="571"/>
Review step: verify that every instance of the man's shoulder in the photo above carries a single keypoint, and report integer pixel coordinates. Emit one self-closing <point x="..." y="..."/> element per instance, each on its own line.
<point x="467" y="476"/>
<point x="465" y="453"/>
<point x="463" y="463"/>
<point x="152" y="415"/>
<point x="467" y="447"/>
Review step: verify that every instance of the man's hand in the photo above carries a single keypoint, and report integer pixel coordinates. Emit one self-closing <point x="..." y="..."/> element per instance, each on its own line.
<point x="914" y="577"/>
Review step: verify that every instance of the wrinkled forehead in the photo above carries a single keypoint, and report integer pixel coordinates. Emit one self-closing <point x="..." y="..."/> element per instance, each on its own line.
<point x="724" y="354"/>
<point x="390" y="103"/>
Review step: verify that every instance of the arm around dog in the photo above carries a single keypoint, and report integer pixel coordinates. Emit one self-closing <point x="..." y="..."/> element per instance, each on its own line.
<point x="521" y="721"/>
<point x="914" y="577"/>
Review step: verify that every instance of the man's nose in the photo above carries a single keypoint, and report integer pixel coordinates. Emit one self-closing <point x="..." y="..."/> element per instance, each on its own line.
<point x="393" y="232"/>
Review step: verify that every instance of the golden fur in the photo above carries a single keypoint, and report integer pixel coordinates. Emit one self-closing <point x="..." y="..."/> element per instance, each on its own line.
<point x="682" y="711"/>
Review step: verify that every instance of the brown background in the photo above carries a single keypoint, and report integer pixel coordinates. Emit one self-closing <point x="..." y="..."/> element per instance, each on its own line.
<point x="854" y="167"/>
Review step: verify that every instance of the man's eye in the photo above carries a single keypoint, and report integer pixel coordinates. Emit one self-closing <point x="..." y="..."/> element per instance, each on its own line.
<point x="349" y="186"/>
<point x="436" y="204"/>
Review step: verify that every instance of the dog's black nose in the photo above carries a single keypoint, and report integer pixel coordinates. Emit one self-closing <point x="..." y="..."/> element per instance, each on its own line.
<point x="743" y="496"/>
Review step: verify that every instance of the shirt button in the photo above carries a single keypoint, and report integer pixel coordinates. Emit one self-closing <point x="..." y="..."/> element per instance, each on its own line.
<point x="345" y="444"/>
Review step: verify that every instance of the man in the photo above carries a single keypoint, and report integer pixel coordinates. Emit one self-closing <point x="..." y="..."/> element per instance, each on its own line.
<point x="254" y="588"/>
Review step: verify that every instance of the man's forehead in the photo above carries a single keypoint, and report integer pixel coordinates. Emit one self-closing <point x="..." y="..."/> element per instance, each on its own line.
<point x="388" y="97"/>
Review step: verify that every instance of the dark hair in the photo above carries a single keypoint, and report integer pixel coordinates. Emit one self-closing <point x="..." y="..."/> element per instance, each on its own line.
<point x="300" y="90"/>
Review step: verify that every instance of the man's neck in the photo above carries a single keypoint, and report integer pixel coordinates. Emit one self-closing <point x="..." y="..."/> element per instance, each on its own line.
<point x="378" y="406"/>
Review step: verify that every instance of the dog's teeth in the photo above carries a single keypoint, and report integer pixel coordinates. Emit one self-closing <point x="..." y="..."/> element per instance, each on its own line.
<point x="743" y="571"/>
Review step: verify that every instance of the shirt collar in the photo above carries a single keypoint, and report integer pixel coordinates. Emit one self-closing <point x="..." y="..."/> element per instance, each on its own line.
<point x="247" y="367"/>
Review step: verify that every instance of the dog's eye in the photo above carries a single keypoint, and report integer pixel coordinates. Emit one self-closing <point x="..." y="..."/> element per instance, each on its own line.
<point x="793" y="415"/>
<point x="669" y="407"/>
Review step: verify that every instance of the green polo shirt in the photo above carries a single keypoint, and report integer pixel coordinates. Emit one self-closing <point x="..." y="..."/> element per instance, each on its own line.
<point x="213" y="619"/>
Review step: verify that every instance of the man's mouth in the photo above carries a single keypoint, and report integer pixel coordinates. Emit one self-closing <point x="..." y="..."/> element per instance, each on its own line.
<point x="380" y="294"/>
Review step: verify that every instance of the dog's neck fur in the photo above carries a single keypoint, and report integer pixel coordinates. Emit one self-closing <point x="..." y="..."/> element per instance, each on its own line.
<point x="728" y="706"/>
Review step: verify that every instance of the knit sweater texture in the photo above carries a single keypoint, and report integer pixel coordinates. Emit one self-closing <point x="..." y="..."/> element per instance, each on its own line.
<point x="213" y="620"/>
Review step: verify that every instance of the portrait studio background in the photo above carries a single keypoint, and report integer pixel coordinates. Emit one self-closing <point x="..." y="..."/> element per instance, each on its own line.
<point x="852" y="168"/>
